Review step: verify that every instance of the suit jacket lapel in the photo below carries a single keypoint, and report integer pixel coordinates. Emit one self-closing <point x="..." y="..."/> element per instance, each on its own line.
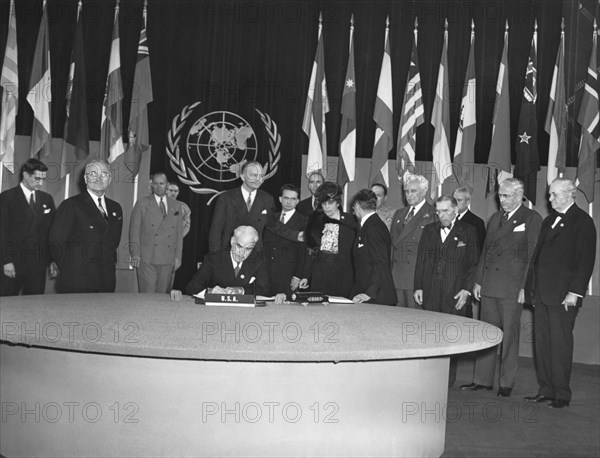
<point x="415" y="221"/>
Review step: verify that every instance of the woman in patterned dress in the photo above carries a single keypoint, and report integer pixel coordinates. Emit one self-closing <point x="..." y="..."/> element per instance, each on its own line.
<point x="330" y="238"/>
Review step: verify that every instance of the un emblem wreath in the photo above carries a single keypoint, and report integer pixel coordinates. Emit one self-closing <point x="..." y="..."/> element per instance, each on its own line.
<point x="222" y="142"/>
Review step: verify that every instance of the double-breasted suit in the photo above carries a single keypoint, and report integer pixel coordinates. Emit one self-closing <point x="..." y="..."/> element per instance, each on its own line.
<point x="156" y="240"/>
<point x="285" y="257"/>
<point x="502" y="273"/>
<point x="405" y="244"/>
<point x="217" y="269"/>
<point x="444" y="268"/>
<point x="562" y="263"/>
<point x="84" y="244"/>
<point x="24" y="240"/>
<point x="372" y="265"/>
<point x="231" y="212"/>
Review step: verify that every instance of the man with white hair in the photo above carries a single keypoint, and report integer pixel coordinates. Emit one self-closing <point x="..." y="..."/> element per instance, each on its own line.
<point x="407" y="227"/>
<point x="561" y="268"/>
<point x="500" y="284"/>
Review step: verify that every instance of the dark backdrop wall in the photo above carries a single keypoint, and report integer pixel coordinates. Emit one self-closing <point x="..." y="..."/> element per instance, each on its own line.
<point x="240" y="56"/>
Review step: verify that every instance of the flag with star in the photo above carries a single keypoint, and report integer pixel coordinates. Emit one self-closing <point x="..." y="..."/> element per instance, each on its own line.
<point x="412" y="115"/>
<point x="528" y="158"/>
<point x="347" y="161"/>
<point x="589" y="119"/>
<point x="383" y="117"/>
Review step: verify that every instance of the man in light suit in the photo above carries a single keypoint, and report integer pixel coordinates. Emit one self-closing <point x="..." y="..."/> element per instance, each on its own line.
<point x="285" y="257"/>
<point x="244" y="206"/>
<point x="307" y="206"/>
<point x="236" y="270"/>
<point x="446" y="263"/>
<point x="373" y="277"/>
<point x="156" y="238"/>
<point x="562" y="265"/>
<point x="85" y="236"/>
<point x="26" y="214"/>
<point x="500" y="283"/>
<point x="407" y="227"/>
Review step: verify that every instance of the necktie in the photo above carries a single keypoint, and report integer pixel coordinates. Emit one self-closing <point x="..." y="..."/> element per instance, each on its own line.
<point x="249" y="202"/>
<point x="409" y="215"/>
<point x="163" y="209"/>
<point x="504" y="219"/>
<point x="283" y="217"/>
<point x="236" y="269"/>
<point x="32" y="201"/>
<point x="315" y="203"/>
<point x="101" y="208"/>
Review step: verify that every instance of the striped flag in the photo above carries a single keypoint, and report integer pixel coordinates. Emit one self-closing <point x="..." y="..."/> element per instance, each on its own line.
<point x="528" y="158"/>
<point x="142" y="96"/>
<point x="317" y="106"/>
<point x="40" y="94"/>
<point x="383" y="117"/>
<point x="111" y="140"/>
<point x="588" y="117"/>
<point x="76" y="146"/>
<point x="412" y="115"/>
<point x="499" y="166"/>
<point x="347" y="161"/>
<point x="440" y="119"/>
<point x="556" y="118"/>
<point x="10" y="94"/>
<point x="464" y="150"/>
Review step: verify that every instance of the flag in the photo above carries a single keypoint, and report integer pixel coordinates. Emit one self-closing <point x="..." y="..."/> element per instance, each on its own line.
<point x="111" y="141"/>
<point x="142" y="96"/>
<point x="464" y="150"/>
<point x="499" y="166"/>
<point x="383" y="117"/>
<point x="347" y="161"/>
<point x="76" y="140"/>
<point x="556" y="118"/>
<point x="440" y="119"/>
<point x="317" y="106"/>
<point x="588" y="117"/>
<point x="10" y="94"/>
<point x="40" y="94"/>
<point x="528" y="158"/>
<point x="412" y="115"/>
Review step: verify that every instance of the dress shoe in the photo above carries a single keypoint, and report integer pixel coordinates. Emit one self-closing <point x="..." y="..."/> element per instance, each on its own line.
<point x="504" y="392"/>
<point x="475" y="387"/>
<point x="538" y="398"/>
<point x="559" y="404"/>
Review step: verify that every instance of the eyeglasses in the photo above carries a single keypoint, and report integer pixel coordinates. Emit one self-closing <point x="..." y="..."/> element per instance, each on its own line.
<point x="505" y="196"/>
<point x="93" y="174"/>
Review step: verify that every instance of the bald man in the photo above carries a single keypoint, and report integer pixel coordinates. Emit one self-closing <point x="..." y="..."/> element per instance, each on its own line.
<point x="236" y="270"/>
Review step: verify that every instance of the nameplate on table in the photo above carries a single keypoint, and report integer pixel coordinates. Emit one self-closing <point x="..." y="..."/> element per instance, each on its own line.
<point x="229" y="300"/>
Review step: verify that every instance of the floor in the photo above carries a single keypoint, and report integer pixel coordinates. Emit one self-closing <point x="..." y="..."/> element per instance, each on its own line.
<point x="479" y="424"/>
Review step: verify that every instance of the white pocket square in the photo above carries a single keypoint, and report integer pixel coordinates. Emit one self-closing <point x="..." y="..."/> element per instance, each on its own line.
<point x="519" y="228"/>
<point x="264" y="212"/>
<point x="360" y="245"/>
<point x="47" y="210"/>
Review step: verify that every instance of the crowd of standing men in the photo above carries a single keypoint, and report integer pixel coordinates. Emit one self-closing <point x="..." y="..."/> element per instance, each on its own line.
<point x="435" y="257"/>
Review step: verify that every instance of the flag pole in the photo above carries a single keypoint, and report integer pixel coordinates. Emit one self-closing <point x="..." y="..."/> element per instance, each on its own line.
<point x="137" y="175"/>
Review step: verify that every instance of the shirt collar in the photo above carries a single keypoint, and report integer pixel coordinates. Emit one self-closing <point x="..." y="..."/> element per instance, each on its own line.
<point x="95" y="197"/>
<point x="510" y="214"/>
<point x="245" y="193"/>
<point x="419" y="206"/>
<point x="288" y="213"/>
<point x="26" y="191"/>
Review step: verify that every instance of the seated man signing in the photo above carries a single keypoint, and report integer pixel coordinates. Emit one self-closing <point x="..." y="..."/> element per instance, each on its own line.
<point x="236" y="271"/>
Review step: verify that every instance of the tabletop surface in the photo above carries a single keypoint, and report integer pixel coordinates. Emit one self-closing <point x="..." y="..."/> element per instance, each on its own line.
<point x="150" y="325"/>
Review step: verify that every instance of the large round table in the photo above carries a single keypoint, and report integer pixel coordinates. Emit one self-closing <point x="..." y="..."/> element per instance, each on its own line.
<point x="138" y="375"/>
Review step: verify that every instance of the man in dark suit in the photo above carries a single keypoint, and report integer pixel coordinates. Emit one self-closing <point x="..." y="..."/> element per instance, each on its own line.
<point x="307" y="206"/>
<point x="373" y="277"/>
<point x="156" y="238"/>
<point x="562" y="265"/>
<point x="463" y="199"/>
<point x="244" y="206"/>
<point x="446" y="263"/>
<point x="237" y="270"/>
<point x="500" y="283"/>
<point x="407" y="227"/>
<point x="26" y="214"/>
<point x="285" y="257"/>
<point x="85" y="236"/>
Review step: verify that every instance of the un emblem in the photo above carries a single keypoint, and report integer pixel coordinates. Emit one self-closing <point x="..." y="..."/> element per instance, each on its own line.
<point x="216" y="147"/>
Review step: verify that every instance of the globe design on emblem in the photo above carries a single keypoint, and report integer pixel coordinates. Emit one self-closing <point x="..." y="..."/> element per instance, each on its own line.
<point x="218" y="143"/>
